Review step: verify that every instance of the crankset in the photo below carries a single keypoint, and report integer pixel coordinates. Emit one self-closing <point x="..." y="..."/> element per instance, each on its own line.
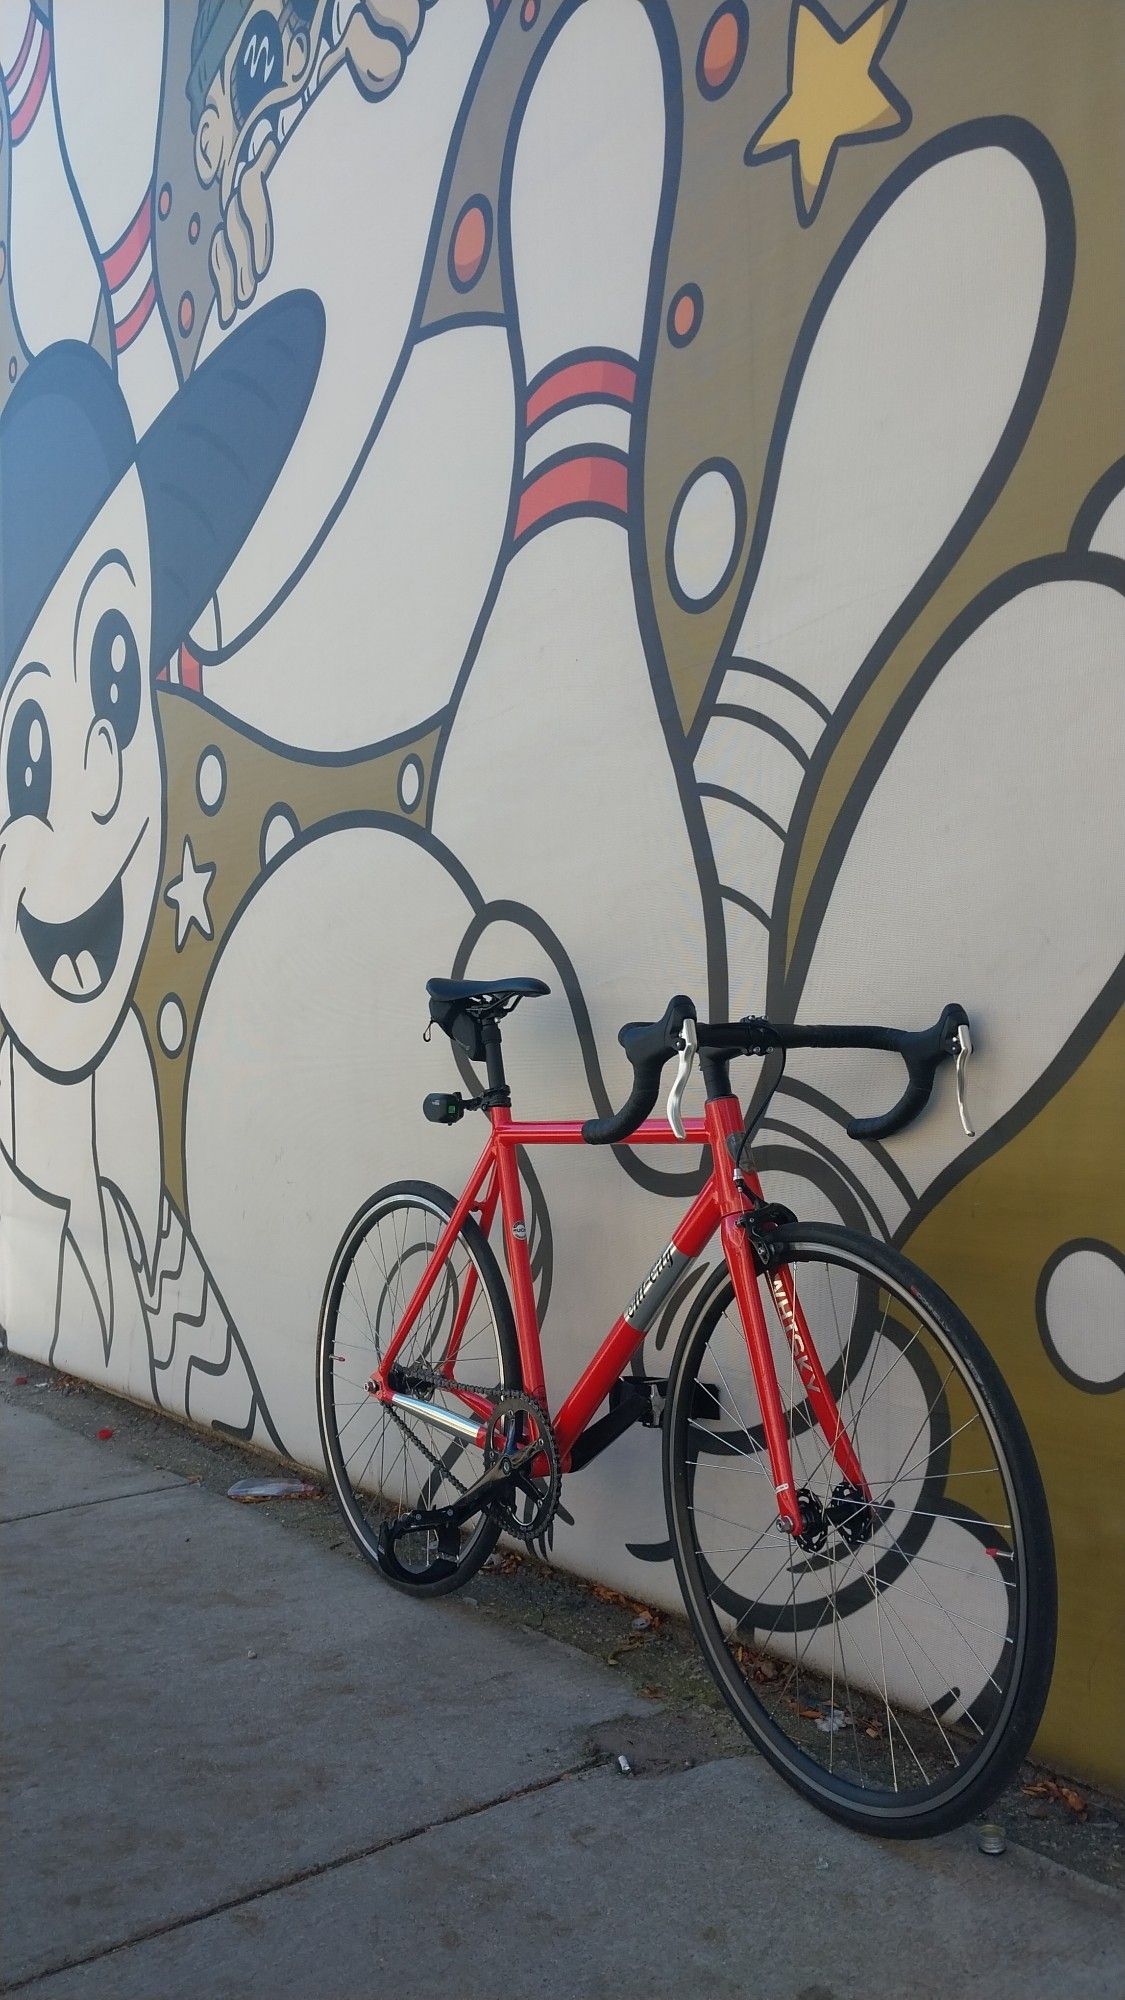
<point x="519" y="1437"/>
<point x="527" y="1439"/>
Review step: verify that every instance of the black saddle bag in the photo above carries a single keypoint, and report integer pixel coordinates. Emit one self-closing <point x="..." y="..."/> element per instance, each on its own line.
<point x="455" y="1020"/>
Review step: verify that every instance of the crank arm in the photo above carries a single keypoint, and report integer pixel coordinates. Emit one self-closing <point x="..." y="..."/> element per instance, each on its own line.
<point x="506" y="1472"/>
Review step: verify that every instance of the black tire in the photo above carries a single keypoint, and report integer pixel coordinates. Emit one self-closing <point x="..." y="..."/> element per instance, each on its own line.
<point x="384" y="1249"/>
<point x="946" y="1520"/>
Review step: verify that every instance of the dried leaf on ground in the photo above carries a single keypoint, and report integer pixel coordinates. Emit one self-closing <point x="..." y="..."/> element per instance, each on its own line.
<point x="504" y="1563"/>
<point x="628" y="1645"/>
<point x="755" y="1664"/>
<point x="652" y="1619"/>
<point x="1063" y="1795"/>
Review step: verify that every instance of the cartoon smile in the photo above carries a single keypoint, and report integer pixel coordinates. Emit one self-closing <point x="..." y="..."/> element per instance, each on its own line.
<point x="77" y="958"/>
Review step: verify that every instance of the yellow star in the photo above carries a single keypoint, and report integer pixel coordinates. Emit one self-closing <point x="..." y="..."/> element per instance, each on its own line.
<point x="838" y="96"/>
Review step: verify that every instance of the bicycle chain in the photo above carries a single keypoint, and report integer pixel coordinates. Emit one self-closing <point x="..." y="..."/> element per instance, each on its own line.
<point x="549" y="1502"/>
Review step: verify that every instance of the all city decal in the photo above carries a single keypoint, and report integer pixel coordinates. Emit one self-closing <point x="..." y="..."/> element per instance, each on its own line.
<point x="662" y="1279"/>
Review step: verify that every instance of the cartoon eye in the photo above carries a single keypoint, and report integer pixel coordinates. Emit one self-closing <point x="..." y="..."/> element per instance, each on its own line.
<point x="259" y="66"/>
<point x="115" y="675"/>
<point x="29" y="764"/>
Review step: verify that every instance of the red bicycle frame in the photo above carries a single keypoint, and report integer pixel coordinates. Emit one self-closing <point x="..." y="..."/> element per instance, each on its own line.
<point x="723" y="1204"/>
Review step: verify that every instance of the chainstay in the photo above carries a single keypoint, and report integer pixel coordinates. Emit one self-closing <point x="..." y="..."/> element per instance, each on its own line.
<point x="471" y="1389"/>
<point x="550" y="1501"/>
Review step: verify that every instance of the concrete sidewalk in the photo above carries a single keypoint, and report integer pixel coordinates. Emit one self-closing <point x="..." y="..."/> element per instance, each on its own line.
<point x="240" y="1769"/>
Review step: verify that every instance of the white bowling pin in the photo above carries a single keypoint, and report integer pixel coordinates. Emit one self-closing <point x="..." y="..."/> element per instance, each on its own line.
<point x="332" y="1094"/>
<point x="557" y="779"/>
<point x="431" y="502"/>
<point x="978" y="871"/>
<point x="56" y="285"/>
<point x="366" y="260"/>
<point x="109" y="74"/>
<point x="910" y="382"/>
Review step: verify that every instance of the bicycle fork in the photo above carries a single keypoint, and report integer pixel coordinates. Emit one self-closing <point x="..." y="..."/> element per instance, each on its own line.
<point x="739" y="1199"/>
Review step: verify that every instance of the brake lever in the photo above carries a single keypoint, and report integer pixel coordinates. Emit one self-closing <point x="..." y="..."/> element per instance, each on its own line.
<point x="688" y="1044"/>
<point x="964" y="1050"/>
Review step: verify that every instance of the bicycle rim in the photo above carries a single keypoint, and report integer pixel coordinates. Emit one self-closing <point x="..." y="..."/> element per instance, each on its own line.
<point x="895" y="1667"/>
<point x="382" y="1464"/>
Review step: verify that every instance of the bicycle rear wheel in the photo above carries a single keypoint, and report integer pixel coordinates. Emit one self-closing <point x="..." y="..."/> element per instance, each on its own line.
<point x="382" y="1464"/>
<point x="894" y="1668"/>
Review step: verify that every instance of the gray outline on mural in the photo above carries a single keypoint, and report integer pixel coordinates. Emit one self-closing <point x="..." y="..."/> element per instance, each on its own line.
<point x="1098" y="1245"/>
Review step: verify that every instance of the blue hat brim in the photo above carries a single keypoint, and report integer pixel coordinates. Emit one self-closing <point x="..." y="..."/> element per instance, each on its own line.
<point x="207" y="465"/>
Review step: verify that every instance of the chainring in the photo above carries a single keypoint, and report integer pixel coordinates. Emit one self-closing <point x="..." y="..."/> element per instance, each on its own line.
<point x="541" y="1490"/>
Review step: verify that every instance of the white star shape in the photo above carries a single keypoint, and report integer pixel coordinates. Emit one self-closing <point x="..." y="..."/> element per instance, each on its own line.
<point x="188" y="896"/>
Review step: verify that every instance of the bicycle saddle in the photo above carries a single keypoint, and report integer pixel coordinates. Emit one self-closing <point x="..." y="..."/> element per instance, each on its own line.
<point x="485" y="989"/>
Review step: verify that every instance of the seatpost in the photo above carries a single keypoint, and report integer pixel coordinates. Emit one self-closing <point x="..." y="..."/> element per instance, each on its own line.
<point x="498" y="1091"/>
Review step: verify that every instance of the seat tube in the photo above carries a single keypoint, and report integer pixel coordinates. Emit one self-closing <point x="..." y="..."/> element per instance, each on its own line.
<point x="518" y="1259"/>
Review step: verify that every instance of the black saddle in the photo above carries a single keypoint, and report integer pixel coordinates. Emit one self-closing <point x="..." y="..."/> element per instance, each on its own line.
<point x="460" y="1007"/>
<point x="485" y="989"/>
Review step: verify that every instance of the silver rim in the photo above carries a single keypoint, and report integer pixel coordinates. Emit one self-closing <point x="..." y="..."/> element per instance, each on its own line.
<point x="383" y="1464"/>
<point x="889" y="1666"/>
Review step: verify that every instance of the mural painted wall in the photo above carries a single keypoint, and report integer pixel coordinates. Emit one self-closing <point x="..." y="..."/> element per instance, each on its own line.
<point x="629" y="492"/>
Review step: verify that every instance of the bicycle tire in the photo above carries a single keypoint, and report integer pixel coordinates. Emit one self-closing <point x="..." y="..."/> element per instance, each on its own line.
<point x="491" y="1362"/>
<point x="1008" y="1569"/>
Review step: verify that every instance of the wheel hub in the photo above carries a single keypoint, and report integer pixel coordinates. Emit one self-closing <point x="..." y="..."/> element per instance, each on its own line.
<point x="851" y="1514"/>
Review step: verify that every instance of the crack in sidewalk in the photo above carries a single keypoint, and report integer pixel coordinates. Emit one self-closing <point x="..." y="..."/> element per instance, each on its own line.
<point x="99" y="1500"/>
<point x="310" y="1874"/>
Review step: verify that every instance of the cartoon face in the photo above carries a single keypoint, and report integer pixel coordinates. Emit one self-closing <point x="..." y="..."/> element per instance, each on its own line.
<point x="268" y="62"/>
<point x="80" y="799"/>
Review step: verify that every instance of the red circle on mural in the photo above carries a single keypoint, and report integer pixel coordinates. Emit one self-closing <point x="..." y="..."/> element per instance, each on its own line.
<point x="685" y="315"/>
<point x="529" y="13"/>
<point x="470" y="243"/>
<point x="187" y="313"/>
<point x="193" y="229"/>
<point x="722" y="50"/>
<point x="165" y="202"/>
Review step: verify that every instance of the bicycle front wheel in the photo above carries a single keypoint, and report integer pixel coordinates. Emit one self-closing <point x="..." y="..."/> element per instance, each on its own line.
<point x="894" y="1664"/>
<point x="383" y="1464"/>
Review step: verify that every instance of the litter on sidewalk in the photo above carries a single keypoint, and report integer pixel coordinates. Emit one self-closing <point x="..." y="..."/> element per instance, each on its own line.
<point x="273" y="1489"/>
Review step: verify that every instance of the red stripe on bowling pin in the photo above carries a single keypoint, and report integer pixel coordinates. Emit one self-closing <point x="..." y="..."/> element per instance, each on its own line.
<point x="24" y="104"/>
<point x="129" y="276"/>
<point x="588" y="477"/>
<point x="590" y="482"/>
<point x="13" y="75"/>
<point x="591" y="378"/>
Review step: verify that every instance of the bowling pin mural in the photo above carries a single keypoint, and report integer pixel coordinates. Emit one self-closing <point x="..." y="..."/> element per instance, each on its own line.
<point x="56" y="283"/>
<point x="570" y="806"/>
<point x="697" y="563"/>
<point x="109" y="76"/>
<point x="938" y="320"/>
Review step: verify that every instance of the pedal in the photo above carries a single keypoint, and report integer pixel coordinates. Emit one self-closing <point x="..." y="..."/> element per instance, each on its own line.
<point x="644" y="1395"/>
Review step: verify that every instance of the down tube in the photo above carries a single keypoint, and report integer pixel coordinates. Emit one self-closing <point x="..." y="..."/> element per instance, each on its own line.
<point x="628" y="1331"/>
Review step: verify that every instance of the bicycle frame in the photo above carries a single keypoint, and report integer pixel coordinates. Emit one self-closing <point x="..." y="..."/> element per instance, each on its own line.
<point x="722" y="1205"/>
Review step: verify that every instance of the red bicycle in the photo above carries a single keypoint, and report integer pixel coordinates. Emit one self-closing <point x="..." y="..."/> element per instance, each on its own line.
<point x="857" y="1519"/>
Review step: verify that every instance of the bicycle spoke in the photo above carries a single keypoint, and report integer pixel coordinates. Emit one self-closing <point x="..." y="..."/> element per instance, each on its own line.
<point x="880" y="1636"/>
